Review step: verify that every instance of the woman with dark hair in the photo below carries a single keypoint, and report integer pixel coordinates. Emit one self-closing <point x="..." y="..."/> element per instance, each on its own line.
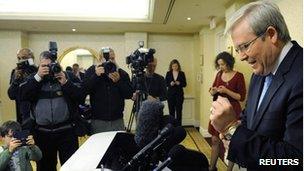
<point x="175" y="81"/>
<point x="230" y="84"/>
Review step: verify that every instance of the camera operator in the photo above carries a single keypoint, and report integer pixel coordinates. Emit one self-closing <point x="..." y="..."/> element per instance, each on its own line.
<point x="108" y="87"/>
<point x="155" y="83"/>
<point x="25" y="67"/>
<point x="55" y="101"/>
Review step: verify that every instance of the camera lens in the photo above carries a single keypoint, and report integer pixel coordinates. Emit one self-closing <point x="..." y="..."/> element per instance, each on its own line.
<point x="55" y="68"/>
<point x="109" y="67"/>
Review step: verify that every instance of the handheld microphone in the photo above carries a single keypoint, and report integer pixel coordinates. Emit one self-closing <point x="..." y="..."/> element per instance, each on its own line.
<point x="146" y="151"/>
<point x="174" y="153"/>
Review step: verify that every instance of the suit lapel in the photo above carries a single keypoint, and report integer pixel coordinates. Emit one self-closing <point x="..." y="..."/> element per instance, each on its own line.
<point x="256" y="91"/>
<point x="274" y="86"/>
<point x="276" y="83"/>
<point x="172" y="77"/>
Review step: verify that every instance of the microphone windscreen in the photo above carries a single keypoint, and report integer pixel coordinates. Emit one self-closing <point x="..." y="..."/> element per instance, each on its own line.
<point x="177" y="136"/>
<point x="148" y="122"/>
<point x="176" y="152"/>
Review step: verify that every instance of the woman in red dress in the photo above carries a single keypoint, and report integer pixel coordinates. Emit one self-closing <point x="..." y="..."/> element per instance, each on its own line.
<point x="230" y="84"/>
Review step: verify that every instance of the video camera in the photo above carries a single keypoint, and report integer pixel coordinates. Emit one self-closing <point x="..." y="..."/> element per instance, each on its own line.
<point x="108" y="66"/>
<point x="138" y="61"/>
<point x="54" y="66"/>
<point x="140" y="57"/>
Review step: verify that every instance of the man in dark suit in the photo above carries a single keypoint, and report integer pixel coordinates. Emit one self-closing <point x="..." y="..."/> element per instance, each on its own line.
<point x="78" y="74"/>
<point x="270" y="136"/>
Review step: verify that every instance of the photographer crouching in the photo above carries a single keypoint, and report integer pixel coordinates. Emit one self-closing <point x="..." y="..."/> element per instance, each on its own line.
<point x="108" y="87"/>
<point x="25" y="67"/>
<point x="55" y="100"/>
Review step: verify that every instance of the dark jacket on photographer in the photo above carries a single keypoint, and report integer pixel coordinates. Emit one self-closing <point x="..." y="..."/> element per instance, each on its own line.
<point x="107" y="98"/>
<point x="54" y="105"/>
<point x="156" y="86"/>
<point x="23" y="108"/>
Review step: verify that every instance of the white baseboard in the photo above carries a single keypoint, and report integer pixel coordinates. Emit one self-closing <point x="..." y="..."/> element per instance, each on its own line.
<point x="204" y="132"/>
<point x="196" y="124"/>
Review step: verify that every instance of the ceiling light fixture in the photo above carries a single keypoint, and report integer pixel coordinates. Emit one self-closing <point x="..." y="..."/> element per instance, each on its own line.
<point x="76" y="10"/>
<point x="188" y="18"/>
<point x="73" y="30"/>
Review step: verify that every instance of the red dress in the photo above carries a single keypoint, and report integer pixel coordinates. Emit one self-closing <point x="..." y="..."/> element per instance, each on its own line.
<point x="235" y="84"/>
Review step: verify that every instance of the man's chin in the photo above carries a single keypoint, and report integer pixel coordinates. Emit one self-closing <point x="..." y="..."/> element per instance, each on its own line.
<point x="257" y="72"/>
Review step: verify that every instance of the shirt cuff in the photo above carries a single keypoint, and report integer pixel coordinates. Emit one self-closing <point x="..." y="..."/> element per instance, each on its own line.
<point x="37" y="78"/>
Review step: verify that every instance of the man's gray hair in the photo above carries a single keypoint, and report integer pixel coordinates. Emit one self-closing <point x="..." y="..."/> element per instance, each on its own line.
<point x="260" y="15"/>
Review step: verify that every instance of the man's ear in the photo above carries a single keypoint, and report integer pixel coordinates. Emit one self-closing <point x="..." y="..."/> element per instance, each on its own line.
<point x="272" y="34"/>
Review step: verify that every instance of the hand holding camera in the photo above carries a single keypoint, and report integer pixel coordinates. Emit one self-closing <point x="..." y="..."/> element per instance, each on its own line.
<point x="114" y="76"/>
<point x="22" y="136"/>
<point x="30" y="140"/>
<point x="99" y="70"/>
<point x="61" y="77"/>
<point x="43" y="69"/>
<point x="13" y="144"/>
<point x="109" y="64"/>
<point x="18" y="73"/>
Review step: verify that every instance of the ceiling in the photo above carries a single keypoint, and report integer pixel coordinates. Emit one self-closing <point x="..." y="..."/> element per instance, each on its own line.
<point x="169" y="16"/>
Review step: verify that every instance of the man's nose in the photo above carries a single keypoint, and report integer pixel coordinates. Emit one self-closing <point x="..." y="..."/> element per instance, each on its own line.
<point x="243" y="56"/>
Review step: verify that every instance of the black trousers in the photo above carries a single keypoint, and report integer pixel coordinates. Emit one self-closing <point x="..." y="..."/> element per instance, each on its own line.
<point x="175" y="104"/>
<point x="64" y="142"/>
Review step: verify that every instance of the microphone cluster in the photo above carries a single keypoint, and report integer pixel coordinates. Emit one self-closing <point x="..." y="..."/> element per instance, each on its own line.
<point x="167" y="136"/>
<point x="163" y="146"/>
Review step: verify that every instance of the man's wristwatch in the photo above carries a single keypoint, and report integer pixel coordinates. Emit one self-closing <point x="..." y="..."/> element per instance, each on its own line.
<point x="229" y="133"/>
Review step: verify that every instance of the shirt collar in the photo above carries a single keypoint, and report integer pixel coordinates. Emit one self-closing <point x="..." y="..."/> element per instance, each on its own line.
<point x="282" y="55"/>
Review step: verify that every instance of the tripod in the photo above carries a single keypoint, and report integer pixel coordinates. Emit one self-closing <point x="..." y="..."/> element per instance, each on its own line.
<point x="139" y="83"/>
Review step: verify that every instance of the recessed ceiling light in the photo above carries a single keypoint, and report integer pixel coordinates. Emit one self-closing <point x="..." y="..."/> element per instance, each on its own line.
<point x="73" y="29"/>
<point x="188" y="18"/>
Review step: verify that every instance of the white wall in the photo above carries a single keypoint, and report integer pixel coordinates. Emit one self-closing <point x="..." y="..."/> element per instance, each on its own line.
<point x="10" y="42"/>
<point x="180" y="47"/>
<point x="292" y="11"/>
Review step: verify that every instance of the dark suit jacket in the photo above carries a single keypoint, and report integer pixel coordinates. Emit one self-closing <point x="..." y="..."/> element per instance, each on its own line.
<point x="156" y="86"/>
<point x="176" y="89"/>
<point x="275" y="131"/>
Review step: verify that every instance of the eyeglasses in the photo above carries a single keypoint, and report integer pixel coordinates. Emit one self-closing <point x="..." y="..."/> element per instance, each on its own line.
<point x="245" y="47"/>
